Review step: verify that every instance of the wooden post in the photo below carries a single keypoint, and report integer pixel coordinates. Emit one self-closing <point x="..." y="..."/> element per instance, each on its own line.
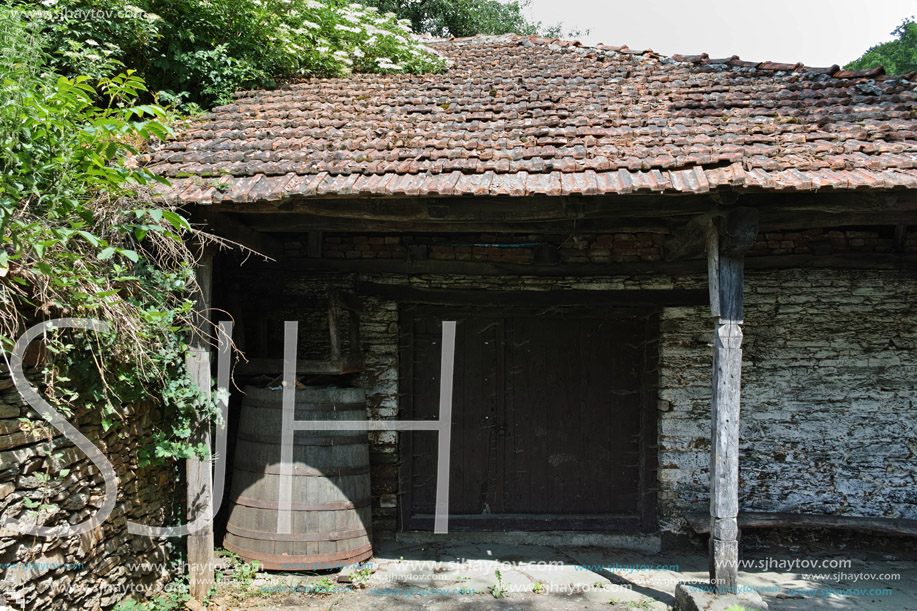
<point x="199" y="473"/>
<point x="737" y="234"/>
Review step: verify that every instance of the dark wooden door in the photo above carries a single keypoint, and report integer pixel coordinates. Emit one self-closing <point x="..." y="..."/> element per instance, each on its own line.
<point x="552" y="418"/>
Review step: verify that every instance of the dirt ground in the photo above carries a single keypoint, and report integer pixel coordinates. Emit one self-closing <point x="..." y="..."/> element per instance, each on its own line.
<point x="535" y="577"/>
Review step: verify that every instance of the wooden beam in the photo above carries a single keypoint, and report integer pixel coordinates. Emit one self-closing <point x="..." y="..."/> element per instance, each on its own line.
<point x="738" y="231"/>
<point x="304" y="223"/>
<point x="689" y="240"/>
<point x="558" y="214"/>
<point x="759" y="519"/>
<point x="712" y="240"/>
<point x="199" y="474"/>
<point x="483" y="298"/>
<point x="483" y="208"/>
<point x="484" y="268"/>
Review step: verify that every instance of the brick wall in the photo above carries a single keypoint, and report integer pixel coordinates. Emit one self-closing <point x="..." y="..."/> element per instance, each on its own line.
<point x="97" y="569"/>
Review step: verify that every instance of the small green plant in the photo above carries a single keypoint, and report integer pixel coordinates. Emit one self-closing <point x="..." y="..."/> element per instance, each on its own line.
<point x="243" y="573"/>
<point x="538" y="587"/>
<point x="322" y="586"/>
<point x="498" y="590"/>
<point x="644" y="604"/>
<point x="360" y="578"/>
<point x="736" y="608"/>
<point x="175" y="597"/>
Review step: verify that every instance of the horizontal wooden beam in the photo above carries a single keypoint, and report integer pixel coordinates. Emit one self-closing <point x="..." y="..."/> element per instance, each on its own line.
<point x="572" y="297"/>
<point x="482" y="209"/>
<point x="488" y="213"/>
<point x="305" y="223"/>
<point x="700" y="523"/>
<point x="483" y="268"/>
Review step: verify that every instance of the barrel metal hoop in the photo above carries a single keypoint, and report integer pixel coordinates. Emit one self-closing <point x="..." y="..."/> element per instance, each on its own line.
<point x="335" y="506"/>
<point x="303" y="471"/>
<point x="266" y="536"/>
<point x="343" y="440"/>
<point x="283" y="561"/>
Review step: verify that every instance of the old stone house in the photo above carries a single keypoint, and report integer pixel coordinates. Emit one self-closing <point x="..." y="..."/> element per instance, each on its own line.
<point x="558" y="201"/>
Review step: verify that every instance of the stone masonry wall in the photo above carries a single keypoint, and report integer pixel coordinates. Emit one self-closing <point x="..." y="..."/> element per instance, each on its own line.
<point x="829" y="397"/>
<point x="828" y="392"/>
<point x="99" y="568"/>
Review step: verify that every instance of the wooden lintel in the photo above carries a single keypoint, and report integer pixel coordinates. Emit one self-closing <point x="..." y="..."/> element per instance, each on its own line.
<point x="482" y="208"/>
<point x="303" y="223"/>
<point x="640" y="212"/>
<point x="484" y="298"/>
<point x="483" y="268"/>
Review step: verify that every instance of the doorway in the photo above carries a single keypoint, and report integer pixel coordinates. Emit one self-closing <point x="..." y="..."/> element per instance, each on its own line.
<point x="554" y="422"/>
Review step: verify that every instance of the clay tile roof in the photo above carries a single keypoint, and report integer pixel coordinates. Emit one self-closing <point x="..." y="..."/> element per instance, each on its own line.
<point x="516" y="116"/>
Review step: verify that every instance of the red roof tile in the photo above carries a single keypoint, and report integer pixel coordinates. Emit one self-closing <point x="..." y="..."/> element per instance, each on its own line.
<point x="517" y="116"/>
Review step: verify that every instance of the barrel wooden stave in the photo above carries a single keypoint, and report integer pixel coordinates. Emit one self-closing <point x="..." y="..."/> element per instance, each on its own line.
<point x="331" y="518"/>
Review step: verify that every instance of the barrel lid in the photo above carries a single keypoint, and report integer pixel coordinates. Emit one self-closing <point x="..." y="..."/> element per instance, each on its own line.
<point x="309" y="395"/>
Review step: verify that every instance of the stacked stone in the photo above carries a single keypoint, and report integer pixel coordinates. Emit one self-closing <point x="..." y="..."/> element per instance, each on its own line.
<point x="97" y="569"/>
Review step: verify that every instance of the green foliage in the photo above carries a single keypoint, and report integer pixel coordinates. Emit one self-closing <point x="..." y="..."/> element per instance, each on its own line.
<point x="175" y="597"/>
<point x="211" y="48"/>
<point x="461" y="17"/>
<point x="321" y="586"/>
<point x="897" y="56"/>
<point x="498" y="590"/>
<point x="244" y="573"/>
<point x="78" y="240"/>
<point x="360" y="578"/>
<point x="444" y="18"/>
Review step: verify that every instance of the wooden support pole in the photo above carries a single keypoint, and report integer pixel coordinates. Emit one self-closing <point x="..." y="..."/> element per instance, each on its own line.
<point x="199" y="473"/>
<point x="737" y="235"/>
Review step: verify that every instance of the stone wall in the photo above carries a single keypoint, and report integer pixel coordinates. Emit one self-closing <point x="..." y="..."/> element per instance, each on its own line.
<point x="97" y="569"/>
<point x="829" y="400"/>
<point x="828" y="393"/>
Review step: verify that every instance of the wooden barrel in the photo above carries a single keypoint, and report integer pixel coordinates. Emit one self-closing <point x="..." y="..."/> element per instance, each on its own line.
<point x="331" y="517"/>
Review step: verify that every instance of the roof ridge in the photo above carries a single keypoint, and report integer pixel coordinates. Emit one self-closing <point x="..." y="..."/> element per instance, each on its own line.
<point x="834" y="71"/>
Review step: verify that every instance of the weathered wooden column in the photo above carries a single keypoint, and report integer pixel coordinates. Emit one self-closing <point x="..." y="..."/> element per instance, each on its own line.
<point x="726" y="250"/>
<point x="199" y="474"/>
